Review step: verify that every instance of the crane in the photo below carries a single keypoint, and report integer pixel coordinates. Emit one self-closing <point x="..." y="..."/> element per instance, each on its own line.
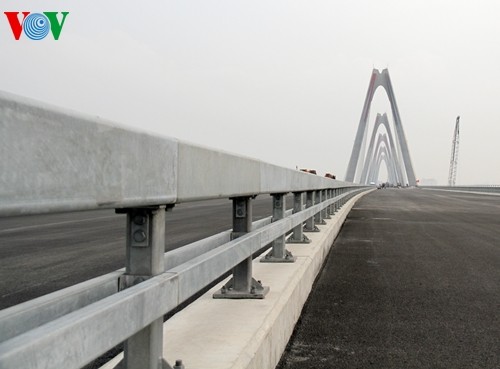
<point x="452" y="176"/>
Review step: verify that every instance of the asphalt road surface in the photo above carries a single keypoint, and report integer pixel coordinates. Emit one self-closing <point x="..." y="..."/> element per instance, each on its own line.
<point x="40" y="254"/>
<point x="413" y="281"/>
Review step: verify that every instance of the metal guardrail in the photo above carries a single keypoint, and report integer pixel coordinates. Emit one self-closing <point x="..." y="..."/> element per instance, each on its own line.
<point x="54" y="160"/>
<point x="483" y="189"/>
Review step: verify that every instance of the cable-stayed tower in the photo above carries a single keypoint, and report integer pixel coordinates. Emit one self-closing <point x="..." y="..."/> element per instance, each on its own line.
<point x="452" y="175"/>
<point x="398" y="152"/>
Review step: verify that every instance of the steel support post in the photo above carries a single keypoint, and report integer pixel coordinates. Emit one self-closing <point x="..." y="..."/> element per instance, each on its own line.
<point x="242" y="285"/>
<point x="298" y="235"/>
<point x="328" y="197"/>
<point x="145" y="248"/>
<point x="325" y="211"/>
<point x="279" y="253"/>
<point x="310" y="226"/>
<point x="318" y="218"/>
<point x="331" y="208"/>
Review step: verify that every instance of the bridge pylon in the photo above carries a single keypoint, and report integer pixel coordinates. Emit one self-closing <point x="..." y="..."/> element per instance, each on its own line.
<point x="398" y="160"/>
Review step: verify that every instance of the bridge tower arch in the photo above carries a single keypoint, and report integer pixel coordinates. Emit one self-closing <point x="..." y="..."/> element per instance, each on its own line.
<point x="357" y="160"/>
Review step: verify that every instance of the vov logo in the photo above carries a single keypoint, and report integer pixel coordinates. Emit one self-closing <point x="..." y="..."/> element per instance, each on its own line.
<point x="36" y="26"/>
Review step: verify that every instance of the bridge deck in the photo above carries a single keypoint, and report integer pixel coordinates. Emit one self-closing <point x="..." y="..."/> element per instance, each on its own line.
<point x="412" y="282"/>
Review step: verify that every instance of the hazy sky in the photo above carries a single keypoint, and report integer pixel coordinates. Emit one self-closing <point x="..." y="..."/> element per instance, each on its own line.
<point x="281" y="81"/>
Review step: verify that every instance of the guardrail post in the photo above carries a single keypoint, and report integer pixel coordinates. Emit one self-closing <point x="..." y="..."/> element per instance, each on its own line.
<point x="298" y="235"/>
<point x="331" y="208"/>
<point x="328" y="197"/>
<point x="279" y="253"/>
<point x="310" y="226"/>
<point x="325" y="196"/>
<point x="145" y="249"/>
<point x="318" y="218"/>
<point x="242" y="285"/>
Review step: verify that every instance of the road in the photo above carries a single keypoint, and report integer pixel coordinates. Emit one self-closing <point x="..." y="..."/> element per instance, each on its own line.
<point x="413" y="281"/>
<point x="40" y="254"/>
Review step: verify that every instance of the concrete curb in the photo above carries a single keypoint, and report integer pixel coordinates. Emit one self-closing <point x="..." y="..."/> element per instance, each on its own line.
<point x="223" y="334"/>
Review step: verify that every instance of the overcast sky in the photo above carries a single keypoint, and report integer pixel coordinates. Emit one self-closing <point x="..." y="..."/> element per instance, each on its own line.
<point x="281" y="81"/>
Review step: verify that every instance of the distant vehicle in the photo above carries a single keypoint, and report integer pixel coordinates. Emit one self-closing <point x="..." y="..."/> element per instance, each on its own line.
<point x="329" y="175"/>
<point x="312" y="171"/>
